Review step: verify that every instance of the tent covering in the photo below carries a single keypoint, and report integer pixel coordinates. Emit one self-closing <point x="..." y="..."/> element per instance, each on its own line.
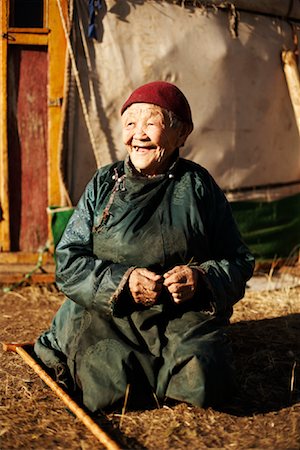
<point x="227" y="60"/>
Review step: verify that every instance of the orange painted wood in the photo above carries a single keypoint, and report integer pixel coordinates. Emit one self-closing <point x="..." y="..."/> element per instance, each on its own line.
<point x="36" y="278"/>
<point x="25" y="258"/>
<point x="29" y="273"/>
<point x="4" y="198"/>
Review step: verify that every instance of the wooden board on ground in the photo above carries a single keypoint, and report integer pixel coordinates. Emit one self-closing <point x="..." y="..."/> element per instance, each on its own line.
<point x="28" y="273"/>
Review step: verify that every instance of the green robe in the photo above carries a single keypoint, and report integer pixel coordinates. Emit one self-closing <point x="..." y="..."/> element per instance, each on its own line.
<point x="124" y="221"/>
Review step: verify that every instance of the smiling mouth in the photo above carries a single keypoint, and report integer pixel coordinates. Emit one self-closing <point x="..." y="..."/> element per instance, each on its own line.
<point x="143" y="149"/>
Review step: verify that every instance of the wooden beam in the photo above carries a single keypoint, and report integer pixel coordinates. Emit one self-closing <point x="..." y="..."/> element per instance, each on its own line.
<point x="22" y="267"/>
<point x="291" y="71"/>
<point x="35" y="278"/>
<point x="4" y="197"/>
<point x="25" y="258"/>
<point x="56" y="77"/>
<point x="33" y="31"/>
<point x="19" y="38"/>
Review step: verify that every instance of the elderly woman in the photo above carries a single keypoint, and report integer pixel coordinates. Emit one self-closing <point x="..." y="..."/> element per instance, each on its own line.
<point x="151" y="263"/>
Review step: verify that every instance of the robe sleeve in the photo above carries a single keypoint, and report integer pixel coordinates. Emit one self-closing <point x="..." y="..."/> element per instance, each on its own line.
<point x="232" y="264"/>
<point x="80" y="275"/>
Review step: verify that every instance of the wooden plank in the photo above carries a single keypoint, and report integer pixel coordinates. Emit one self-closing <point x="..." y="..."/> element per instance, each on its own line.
<point x="25" y="258"/>
<point x="33" y="31"/>
<point x="291" y="71"/>
<point x="57" y="58"/>
<point x="34" y="272"/>
<point x="26" y="268"/>
<point x="35" y="278"/>
<point x="27" y="143"/>
<point x="27" y="38"/>
<point x="4" y="198"/>
<point x="30" y="267"/>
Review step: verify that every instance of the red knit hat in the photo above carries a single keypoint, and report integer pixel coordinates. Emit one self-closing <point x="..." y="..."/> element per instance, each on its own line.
<point x="165" y="95"/>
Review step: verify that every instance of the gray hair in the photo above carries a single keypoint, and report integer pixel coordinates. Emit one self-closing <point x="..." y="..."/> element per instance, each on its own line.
<point x="174" y="121"/>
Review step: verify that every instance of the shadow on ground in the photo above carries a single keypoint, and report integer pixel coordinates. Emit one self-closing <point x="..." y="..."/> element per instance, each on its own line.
<point x="267" y="356"/>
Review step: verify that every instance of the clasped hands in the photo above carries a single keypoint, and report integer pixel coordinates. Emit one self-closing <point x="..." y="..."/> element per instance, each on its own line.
<point x="145" y="286"/>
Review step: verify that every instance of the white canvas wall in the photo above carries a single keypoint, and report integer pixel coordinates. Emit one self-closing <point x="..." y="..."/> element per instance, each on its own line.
<point x="245" y="130"/>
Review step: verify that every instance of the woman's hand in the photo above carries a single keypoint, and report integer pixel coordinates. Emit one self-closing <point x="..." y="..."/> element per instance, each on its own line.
<point x="181" y="282"/>
<point x="145" y="286"/>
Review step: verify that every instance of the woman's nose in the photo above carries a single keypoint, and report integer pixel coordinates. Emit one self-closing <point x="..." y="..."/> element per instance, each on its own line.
<point x="139" y="131"/>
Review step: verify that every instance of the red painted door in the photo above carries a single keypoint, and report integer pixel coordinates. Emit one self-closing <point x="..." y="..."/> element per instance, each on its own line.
<point x="27" y="146"/>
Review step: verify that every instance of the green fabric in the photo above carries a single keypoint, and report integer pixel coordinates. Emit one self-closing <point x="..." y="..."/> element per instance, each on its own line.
<point x="270" y="229"/>
<point x="181" y="217"/>
<point x="59" y="218"/>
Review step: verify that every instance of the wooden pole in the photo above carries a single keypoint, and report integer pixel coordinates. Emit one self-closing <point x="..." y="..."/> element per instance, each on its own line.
<point x="291" y="72"/>
<point x="4" y="190"/>
<point x="71" y="404"/>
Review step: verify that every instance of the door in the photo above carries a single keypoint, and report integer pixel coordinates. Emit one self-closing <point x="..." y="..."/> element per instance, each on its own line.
<point x="32" y="70"/>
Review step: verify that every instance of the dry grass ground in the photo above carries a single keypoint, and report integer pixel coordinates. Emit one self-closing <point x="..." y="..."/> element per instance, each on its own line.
<point x="265" y="413"/>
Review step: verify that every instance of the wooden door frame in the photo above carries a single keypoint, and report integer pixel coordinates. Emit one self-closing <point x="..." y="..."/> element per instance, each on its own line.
<point x="52" y="36"/>
<point x="4" y="198"/>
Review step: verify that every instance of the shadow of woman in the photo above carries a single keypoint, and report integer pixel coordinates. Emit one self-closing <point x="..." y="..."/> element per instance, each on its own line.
<point x="267" y="359"/>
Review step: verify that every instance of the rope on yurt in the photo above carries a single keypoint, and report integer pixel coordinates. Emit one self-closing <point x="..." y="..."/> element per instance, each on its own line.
<point x="79" y="87"/>
<point x="91" y="80"/>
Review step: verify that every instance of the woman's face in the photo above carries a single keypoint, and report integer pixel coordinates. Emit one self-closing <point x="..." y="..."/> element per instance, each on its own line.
<point x="149" y="139"/>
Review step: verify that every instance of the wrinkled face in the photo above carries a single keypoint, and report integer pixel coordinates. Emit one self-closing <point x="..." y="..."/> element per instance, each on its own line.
<point x="149" y="139"/>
